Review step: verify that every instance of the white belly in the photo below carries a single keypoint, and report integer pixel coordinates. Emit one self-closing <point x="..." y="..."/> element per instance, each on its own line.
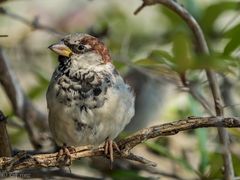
<point x="99" y="123"/>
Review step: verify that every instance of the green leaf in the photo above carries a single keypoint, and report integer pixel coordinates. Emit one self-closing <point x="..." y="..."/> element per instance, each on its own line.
<point x="157" y="59"/>
<point x="212" y="12"/>
<point x="234" y="132"/>
<point x="181" y="51"/>
<point x="233" y="32"/>
<point x="157" y="68"/>
<point x="119" y="65"/>
<point x="217" y="61"/>
<point x="161" y="56"/>
<point x="216" y="163"/>
<point x="236" y="164"/>
<point x="36" y="91"/>
<point x="234" y="43"/>
<point x="147" y="62"/>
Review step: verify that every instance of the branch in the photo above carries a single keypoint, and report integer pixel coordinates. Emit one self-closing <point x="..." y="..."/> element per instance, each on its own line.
<point x="33" y="24"/>
<point x="1" y="1"/>
<point x="22" y="106"/>
<point x="223" y="134"/>
<point x="5" y="146"/>
<point x="203" y="49"/>
<point x="196" y="94"/>
<point x="125" y="145"/>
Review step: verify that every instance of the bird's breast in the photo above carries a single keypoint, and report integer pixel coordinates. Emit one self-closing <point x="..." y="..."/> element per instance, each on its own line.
<point x="87" y="106"/>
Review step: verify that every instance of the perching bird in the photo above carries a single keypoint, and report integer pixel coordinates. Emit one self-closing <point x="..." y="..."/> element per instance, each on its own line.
<point x="88" y="101"/>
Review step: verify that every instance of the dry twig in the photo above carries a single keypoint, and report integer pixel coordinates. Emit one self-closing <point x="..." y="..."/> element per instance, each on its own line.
<point x="125" y="145"/>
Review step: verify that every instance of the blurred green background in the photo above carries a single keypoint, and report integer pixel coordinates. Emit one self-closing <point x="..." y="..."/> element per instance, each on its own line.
<point x="150" y="49"/>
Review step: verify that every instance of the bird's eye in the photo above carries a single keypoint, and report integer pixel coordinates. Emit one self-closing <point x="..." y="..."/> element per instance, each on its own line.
<point x="81" y="48"/>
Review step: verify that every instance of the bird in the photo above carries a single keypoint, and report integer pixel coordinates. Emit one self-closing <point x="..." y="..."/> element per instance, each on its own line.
<point x="88" y="101"/>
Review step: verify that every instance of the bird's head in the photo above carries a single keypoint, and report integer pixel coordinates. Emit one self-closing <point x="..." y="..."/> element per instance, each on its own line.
<point x="82" y="50"/>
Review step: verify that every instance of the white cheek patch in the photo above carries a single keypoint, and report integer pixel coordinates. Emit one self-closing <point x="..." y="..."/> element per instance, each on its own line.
<point x="88" y="46"/>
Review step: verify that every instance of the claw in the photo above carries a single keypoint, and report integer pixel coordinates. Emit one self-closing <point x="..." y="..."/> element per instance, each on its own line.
<point x="64" y="154"/>
<point x="106" y="145"/>
<point x="116" y="147"/>
<point x="109" y="147"/>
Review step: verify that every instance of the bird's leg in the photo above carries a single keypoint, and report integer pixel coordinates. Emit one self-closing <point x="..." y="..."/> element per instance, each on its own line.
<point x="109" y="147"/>
<point x="64" y="154"/>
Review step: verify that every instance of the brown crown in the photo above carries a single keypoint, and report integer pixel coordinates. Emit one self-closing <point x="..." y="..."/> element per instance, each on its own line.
<point x="98" y="46"/>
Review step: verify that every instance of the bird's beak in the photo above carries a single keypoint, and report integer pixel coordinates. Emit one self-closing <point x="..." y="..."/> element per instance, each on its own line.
<point x="61" y="49"/>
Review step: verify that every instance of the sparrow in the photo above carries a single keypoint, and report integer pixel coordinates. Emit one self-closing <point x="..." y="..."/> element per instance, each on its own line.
<point x="88" y="101"/>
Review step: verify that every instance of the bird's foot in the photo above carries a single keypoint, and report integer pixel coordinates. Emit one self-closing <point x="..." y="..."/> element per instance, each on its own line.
<point x="64" y="154"/>
<point x="109" y="147"/>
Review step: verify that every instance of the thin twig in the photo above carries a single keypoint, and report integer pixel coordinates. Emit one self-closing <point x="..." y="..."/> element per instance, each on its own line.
<point x="196" y="94"/>
<point x="203" y="49"/>
<point x="140" y="159"/>
<point x="125" y="145"/>
<point x="35" y="24"/>
<point x="223" y="134"/>
<point x="200" y="98"/>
